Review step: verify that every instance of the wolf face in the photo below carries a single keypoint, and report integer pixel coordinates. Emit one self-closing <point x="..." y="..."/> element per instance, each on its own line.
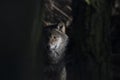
<point x="55" y="42"/>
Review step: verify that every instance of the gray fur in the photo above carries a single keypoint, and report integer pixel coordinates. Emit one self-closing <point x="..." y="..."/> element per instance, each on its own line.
<point x="54" y="56"/>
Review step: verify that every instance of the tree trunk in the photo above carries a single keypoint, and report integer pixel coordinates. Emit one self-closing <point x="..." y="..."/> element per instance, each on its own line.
<point x="91" y="39"/>
<point x="34" y="40"/>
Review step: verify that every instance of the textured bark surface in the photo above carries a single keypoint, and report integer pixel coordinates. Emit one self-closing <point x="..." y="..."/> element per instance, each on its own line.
<point x="91" y="37"/>
<point x="57" y="11"/>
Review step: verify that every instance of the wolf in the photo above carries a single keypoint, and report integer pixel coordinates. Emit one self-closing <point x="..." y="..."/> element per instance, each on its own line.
<point x="55" y="43"/>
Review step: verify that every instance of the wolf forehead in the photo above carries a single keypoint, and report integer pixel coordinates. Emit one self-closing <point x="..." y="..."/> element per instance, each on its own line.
<point x="58" y="31"/>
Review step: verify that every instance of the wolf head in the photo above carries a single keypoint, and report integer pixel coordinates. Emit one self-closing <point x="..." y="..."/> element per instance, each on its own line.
<point x="55" y="41"/>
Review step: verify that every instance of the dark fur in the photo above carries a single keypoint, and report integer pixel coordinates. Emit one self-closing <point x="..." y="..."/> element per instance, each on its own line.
<point x="54" y="58"/>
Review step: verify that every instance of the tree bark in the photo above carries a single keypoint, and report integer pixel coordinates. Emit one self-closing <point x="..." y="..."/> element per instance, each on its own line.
<point x="91" y="38"/>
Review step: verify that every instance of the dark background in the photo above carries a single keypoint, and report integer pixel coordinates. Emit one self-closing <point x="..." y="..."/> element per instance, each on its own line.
<point x="16" y="20"/>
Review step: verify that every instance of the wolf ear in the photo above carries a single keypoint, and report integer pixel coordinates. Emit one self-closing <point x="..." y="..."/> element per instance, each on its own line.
<point x="61" y="27"/>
